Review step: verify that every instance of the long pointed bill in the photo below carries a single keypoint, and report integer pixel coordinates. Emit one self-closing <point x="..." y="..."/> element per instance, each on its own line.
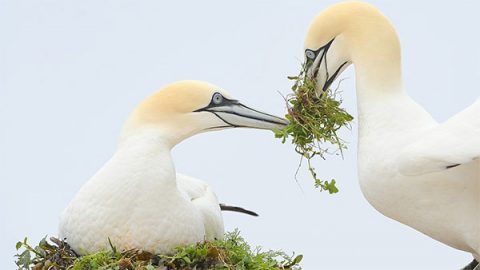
<point x="236" y="114"/>
<point x="317" y="69"/>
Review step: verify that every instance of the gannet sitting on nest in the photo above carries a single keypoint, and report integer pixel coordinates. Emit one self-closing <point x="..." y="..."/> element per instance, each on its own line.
<point x="411" y="168"/>
<point x="136" y="199"/>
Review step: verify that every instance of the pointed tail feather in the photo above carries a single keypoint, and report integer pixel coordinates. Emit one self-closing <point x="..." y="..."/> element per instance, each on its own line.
<point x="225" y="207"/>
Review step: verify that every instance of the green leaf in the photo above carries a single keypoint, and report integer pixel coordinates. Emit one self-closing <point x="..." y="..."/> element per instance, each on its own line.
<point x="187" y="260"/>
<point x="40" y="251"/>
<point x="297" y="259"/>
<point x="24" y="260"/>
<point x="18" y="245"/>
<point x="43" y="242"/>
<point x="330" y="186"/>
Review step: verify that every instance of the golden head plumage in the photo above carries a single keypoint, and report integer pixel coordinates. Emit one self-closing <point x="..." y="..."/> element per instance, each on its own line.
<point x="185" y="108"/>
<point x="358" y="33"/>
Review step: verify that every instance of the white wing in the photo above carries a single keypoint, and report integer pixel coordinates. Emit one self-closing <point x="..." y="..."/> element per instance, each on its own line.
<point x="205" y="200"/>
<point x="453" y="143"/>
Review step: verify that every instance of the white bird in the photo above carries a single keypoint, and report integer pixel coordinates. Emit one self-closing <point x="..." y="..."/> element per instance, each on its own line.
<point x="412" y="169"/>
<point x="136" y="199"/>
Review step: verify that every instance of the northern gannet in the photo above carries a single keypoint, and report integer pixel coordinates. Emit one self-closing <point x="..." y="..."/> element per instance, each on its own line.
<point x="412" y="169"/>
<point x="136" y="199"/>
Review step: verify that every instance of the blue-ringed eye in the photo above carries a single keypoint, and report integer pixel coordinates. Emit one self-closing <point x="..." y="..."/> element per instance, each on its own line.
<point x="217" y="98"/>
<point x="310" y="54"/>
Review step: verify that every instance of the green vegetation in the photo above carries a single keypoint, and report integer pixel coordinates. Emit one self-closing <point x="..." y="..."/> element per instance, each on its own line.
<point x="315" y="117"/>
<point x="231" y="253"/>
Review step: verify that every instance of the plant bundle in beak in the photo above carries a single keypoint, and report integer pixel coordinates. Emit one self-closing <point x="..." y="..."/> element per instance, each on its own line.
<point x="314" y="119"/>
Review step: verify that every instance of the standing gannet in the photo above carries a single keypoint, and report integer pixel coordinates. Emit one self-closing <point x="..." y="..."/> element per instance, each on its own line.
<point x="136" y="199"/>
<point x="411" y="168"/>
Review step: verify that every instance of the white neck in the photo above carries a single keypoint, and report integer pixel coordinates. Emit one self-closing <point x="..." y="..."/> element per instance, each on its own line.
<point x="379" y="89"/>
<point x="383" y="105"/>
<point x="146" y="152"/>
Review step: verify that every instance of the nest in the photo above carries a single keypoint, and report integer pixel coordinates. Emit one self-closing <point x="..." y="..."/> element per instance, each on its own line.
<point x="231" y="253"/>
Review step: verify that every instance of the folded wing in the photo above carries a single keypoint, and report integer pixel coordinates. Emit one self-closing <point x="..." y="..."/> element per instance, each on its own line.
<point x="448" y="145"/>
<point x="205" y="200"/>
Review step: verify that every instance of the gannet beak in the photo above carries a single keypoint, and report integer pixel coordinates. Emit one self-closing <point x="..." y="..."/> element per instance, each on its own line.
<point x="235" y="114"/>
<point x="317" y="69"/>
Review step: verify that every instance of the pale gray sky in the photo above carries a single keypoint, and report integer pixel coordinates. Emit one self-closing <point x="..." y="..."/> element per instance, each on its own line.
<point x="71" y="71"/>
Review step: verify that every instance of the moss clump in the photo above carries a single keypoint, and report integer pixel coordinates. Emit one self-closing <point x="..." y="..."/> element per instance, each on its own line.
<point x="231" y="253"/>
<point x="99" y="260"/>
<point x="315" y="118"/>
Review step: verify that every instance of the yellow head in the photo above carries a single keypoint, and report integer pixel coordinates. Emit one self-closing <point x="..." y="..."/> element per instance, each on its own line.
<point x="185" y="108"/>
<point x="352" y="32"/>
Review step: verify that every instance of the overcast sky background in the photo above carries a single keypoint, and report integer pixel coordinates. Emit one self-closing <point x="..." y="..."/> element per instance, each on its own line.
<point x="71" y="71"/>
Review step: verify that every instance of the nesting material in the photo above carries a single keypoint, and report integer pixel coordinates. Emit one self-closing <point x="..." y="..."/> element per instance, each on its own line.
<point x="231" y="253"/>
<point x="315" y="118"/>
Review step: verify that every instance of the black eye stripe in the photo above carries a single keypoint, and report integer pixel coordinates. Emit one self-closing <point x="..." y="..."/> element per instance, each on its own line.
<point x="314" y="53"/>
